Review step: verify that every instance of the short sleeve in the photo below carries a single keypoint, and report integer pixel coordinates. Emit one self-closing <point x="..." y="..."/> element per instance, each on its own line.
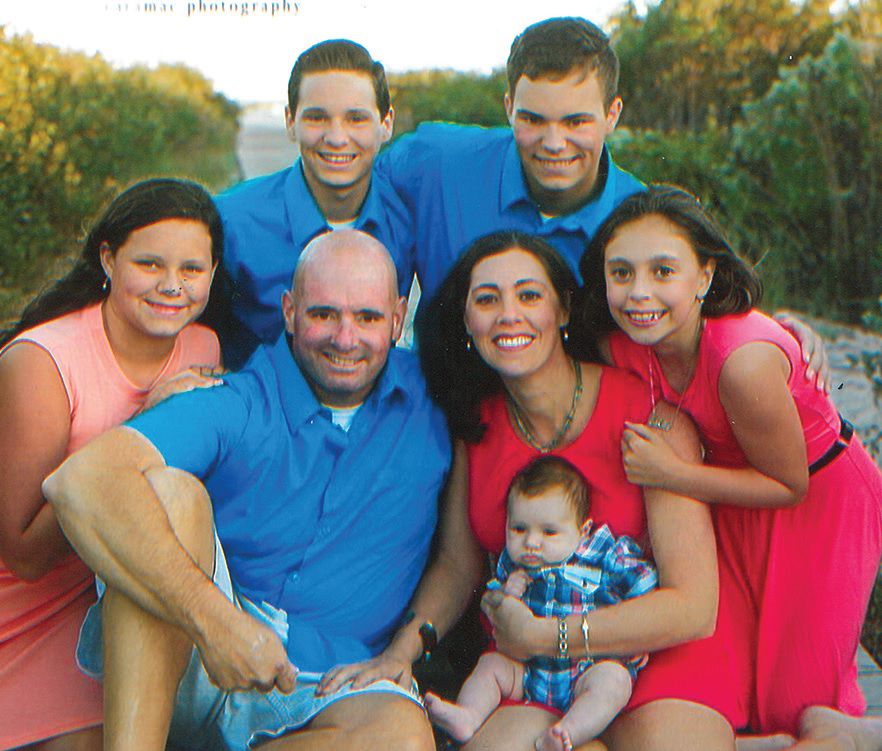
<point x="634" y="575"/>
<point x="194" y="431"/>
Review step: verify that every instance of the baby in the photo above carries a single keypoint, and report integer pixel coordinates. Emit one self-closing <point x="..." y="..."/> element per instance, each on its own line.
<point x="558" y="566"/>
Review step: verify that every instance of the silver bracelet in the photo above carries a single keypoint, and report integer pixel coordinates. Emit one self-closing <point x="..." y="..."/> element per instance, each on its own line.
<point x="563" y="646"/>
<point x="585" y="633"/>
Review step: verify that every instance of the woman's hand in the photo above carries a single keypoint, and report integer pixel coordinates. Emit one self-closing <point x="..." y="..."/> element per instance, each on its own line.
<point x="647" y="457"/>
<point x="386" y="666"/>
<point x="197" y="377"/>
<point x="516" y="631"/>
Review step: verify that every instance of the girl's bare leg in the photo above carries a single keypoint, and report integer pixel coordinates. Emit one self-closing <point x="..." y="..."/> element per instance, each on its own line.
<point x="87" y="739"/>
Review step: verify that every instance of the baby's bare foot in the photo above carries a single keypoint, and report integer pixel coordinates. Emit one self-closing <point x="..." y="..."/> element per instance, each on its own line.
<point x="460" y="723"/>
<point x="554" y="739"/>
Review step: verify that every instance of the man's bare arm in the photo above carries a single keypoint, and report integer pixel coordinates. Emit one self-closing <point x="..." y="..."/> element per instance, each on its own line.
<point x="116" y="522"/>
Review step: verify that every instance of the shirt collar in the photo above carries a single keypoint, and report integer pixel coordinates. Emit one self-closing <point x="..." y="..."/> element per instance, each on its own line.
<point x="306" y="218"/>
<point x="513" y="190"/>
<point x="299" y="402"/>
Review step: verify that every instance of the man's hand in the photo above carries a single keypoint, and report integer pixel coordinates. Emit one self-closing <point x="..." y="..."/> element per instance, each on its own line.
<point x="514" y="625"/>
<point x="242" y="654"/>
<point x="197" y="377"/>
<point x="814" y="351"/>
<point x="386" y="666"/>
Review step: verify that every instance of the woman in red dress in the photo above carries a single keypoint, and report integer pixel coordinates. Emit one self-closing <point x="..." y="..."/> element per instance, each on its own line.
<point x="494" y="343"/>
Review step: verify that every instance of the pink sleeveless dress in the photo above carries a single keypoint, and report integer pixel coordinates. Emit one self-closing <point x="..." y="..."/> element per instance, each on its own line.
<point x="42" y="692"/>
<point x="794" y="582"/>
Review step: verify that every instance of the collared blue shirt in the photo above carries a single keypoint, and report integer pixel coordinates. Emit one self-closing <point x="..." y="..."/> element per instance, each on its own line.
<point x="333" y="527"/>
<point x="462" y="182"/>
<point x="267" y="223"/>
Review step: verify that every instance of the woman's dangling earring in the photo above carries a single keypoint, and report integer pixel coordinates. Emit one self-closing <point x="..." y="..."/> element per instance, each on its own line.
<point x="468" y="345"/>
<point x="564" y="333"/>
<point x="106" y="283"/>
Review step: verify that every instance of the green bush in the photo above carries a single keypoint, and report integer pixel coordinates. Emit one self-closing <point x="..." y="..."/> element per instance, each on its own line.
<point x="73" y="130"/>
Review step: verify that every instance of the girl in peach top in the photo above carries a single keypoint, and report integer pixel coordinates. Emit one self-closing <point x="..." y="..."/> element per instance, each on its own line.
<point x="87" y="354"/>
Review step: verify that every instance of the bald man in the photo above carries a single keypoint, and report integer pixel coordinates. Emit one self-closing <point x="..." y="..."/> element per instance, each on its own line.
<point x="245" y="531"/>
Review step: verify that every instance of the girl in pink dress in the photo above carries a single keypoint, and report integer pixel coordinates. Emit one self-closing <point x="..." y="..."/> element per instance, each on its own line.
<point x="86" y="355"/>
<point x="796" y="498"/>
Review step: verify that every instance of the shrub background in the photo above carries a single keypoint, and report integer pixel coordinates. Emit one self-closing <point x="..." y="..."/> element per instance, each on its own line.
<point x="73" y="131"/>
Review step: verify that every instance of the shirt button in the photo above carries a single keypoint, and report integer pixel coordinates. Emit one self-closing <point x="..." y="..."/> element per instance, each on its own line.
<point x="551" y="577"/>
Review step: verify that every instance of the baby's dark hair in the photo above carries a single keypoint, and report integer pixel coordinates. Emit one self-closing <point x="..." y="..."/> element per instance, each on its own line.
<point x="547" y="472"/>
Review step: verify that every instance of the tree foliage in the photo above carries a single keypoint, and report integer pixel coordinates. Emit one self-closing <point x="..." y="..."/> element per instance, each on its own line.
<point x="73" y="130"/>
<point x="786" y="147"/>
<point x="447" y="95"/>
<point x="691" y="63"/>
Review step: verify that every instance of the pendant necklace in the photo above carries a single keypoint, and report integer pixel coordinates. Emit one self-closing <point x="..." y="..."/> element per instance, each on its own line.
<point x="558" y="437"/>
<point x="656" y="421"/>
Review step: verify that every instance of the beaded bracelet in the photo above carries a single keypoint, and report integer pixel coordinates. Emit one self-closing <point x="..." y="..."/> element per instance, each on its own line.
<point x="563" y="646"/>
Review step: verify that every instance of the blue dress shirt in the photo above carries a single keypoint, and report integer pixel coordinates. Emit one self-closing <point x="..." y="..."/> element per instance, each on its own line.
<point x="267" y="223"/>
<point x="332" y="527"/>
<point x="462" y="182"/>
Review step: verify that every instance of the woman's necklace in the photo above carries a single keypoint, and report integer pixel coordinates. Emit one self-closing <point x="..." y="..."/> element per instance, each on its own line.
<point x="521" y="422"/>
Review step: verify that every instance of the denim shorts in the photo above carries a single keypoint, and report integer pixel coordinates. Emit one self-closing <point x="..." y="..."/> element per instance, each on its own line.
<point x="206" y="717"/>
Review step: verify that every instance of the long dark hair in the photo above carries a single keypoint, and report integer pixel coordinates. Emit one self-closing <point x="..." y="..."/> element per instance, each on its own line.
<point x="140" y="205"/>
<point x="458" y="378"/>
<point x="735" y="288"/>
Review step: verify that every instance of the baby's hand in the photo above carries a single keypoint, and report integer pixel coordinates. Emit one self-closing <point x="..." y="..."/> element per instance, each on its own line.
<point x="517" y="583"/>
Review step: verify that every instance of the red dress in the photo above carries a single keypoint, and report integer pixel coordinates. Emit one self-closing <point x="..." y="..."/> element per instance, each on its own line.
<point x="692" y="671"/>
<point x="795" y="581"/>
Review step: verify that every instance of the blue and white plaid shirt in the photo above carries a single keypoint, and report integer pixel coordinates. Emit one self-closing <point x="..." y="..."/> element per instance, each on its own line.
<point x="602" y="571"/>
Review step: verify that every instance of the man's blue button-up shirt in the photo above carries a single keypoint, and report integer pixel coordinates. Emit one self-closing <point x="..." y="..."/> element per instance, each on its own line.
<point x="333" y="527"/>
<point x="267" y="223"/>
<point x="462" y="182"/>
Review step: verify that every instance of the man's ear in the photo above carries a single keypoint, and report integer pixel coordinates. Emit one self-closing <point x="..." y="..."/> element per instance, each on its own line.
<point x="289" y="125"/>
<point x="613" y="114"/>
<point x="508" y="103"/>
<point x="288" y="310"/>
<point x="388" y="125"/>
<point x="399" y="312"/>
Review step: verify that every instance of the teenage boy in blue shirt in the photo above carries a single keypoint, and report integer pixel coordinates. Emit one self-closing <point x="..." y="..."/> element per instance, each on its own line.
<point x="339" y="114"/>
<point x="323" y="459"/>
<point x="550" y="174"/>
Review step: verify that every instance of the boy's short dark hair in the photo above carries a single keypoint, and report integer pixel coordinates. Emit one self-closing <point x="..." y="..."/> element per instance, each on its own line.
<point x="548" y="472"/>
<point x="339" y="54"/>
<point x="555" y="47"/>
